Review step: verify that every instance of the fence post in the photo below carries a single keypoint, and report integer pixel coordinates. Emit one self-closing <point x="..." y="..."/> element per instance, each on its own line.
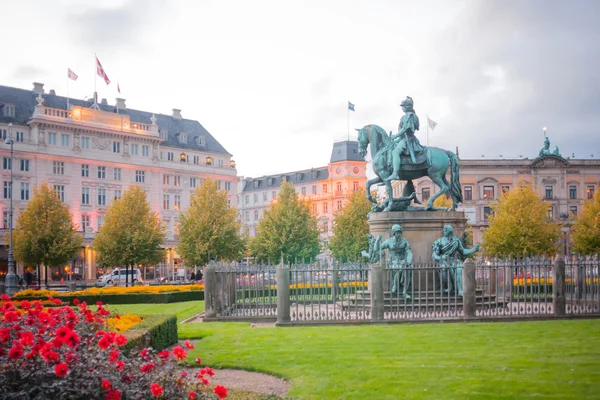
<point x="558" y="286"/>
<point x="210" y="291"/>
<point x="376" y="288"/>
<point x="469" y="298"/>
<point x="335" y="280"/>
<point x="283" y="293"/>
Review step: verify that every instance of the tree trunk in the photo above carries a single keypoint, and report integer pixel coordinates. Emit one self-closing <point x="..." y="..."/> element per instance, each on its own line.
<point x="39" y="274"/>
<point x="46" y="275"/>
<point x="126" y="275"/>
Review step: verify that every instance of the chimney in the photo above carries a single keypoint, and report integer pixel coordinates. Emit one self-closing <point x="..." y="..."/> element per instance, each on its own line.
<point x="176" y="113"/>
<point x="120" y="103"/>
<point x="104" y="102"/>
<point x="52" y="92"/>
<point x="38" y="88"/>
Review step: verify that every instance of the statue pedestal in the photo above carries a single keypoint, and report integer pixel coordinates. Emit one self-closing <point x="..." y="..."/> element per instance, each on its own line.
<point x="421" y="229"/>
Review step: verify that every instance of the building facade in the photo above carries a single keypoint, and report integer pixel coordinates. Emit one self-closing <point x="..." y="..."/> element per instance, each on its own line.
<point x="327" y="188"/>
<point x="91" y="153"/>
<point x="564" y="182"/>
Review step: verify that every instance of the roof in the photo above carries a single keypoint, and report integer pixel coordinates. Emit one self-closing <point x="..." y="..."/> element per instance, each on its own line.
<point x="345" y="151"/>
<point x="25" y="102"/>
<point x="296" y="177"/>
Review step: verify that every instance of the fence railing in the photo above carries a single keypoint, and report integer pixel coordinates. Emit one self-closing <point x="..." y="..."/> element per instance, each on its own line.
<point x="356" y="292"/>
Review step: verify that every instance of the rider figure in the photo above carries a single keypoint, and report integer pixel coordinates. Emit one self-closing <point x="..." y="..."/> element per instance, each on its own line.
<point x="407" y="142"/>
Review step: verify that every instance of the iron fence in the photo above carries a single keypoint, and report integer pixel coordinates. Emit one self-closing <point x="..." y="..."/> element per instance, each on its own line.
<point x="582" y="288"/>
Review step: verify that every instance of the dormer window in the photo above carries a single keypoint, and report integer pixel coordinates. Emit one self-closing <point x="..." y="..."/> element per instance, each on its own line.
<point x="315" y="174"/>
<point x="284" y="178"/>
<point x="270" y="181"/>
<point x="299" y="176"/>
<point x="200" y="140"/>
<point x="164" y="133"/>
<point x="256" y="183"/>
<point x="183" y="137"/>
<point x="8" y="110"/>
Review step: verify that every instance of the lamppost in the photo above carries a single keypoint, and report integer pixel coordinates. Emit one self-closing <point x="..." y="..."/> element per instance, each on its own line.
<point x="11" y="278"/>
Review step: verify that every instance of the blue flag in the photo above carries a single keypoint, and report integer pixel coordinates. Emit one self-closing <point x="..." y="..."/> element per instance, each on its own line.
<point x="350" y="106"/>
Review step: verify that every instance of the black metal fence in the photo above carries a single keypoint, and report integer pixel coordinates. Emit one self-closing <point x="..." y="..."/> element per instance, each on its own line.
<point x="355" y="292"/>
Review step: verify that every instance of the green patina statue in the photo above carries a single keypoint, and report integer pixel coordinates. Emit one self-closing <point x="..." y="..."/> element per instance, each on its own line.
<point x="449" y="254"/>
<point x="374" y="252"/>
<point x="400" y="260"/>
<point x="406" y="160"/>
<point x="545" y="151"/>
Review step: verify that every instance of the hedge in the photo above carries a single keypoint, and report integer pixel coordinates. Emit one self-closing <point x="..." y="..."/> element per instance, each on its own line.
<point x="156" y="331"/>
<point x="131" y="298"/>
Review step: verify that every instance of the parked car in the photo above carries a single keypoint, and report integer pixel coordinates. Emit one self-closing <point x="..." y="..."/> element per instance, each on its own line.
<point x="117" y="277"/>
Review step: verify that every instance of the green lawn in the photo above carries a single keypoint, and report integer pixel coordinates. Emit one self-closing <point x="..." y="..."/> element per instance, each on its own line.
<point x="182" y="310"/>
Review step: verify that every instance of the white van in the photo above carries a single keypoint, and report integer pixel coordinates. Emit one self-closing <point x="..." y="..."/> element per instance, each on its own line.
<point x="117" y="277"/>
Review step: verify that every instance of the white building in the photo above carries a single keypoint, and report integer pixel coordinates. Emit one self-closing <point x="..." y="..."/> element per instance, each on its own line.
<point x="92" y="155"/>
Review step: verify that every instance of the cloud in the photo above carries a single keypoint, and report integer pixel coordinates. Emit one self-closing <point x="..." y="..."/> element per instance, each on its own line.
<point x="28" y="72"/>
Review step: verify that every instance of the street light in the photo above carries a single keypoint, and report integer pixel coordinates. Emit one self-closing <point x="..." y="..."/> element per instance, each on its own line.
<point x="11" y="278"/>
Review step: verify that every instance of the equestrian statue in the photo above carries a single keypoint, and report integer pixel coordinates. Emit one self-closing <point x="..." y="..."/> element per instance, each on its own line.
<point x="402" y="157"/>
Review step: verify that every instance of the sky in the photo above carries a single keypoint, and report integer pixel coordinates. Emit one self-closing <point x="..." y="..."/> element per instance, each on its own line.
<point x="271" y="79"/>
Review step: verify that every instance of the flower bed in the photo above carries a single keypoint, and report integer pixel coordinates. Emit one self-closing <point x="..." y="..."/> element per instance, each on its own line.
<point x="112" y="290"/>
<point x="51" y="353"/>
<point x="121" y="323"/>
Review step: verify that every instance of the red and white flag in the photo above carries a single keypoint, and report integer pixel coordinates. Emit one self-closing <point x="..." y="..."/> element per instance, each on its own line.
<point x="118" y="88"/>
<point x="72" y="75"/>
<point x="101" y="72"/>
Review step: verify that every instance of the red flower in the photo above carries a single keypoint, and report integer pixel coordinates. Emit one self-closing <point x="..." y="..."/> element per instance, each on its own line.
<point x="179" y="353"/>
<point x="117" y="316"/>
<point x="119" y="365"/>
<point x="57" y="301"/>
<point x="147" y="367"/>
<point x="61" y="369"/>
<point x="11" y="316"/>
<point x="72" y="340"/>
<point x="113" y="395"/>
<point x="98" y="303"/>
<point x="156" y="390"/>
<point x="15" y="352"/>
<point x="183" y="374"/>
<point x="114" y="354"/>
<point x="144" y="354"/>
<point x="192" y="395"/>
<point x="25" y="305"/>
<point x="188" y="344"/>
<point x="5" y="297"/>
<point x="207" y="371"/>
<point x="221" y="391"/>
<point x="104" y="343"/>
<point x="76" y="302"/>
<point x="120" y="340"/>
<point x="25" y="338"/>
<point x="63" y="332"/>
<point x="198" y="360"/>
<point x="57" y="343"/>
<point x="126" y="379"/>
<point x="164" y="354"/>
<point x="106" y="384"/>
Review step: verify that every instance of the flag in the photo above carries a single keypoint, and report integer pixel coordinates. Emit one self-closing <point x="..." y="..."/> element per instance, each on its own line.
<point x="118" y="88"/>
<point x="432" y="123"/>
<point x="350" y="106"/>
<point x="72" y="75"/>
<point x="100" y="72"/>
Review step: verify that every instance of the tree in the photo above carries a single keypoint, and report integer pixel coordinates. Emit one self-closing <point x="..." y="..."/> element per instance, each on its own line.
<point x="350" y="228"/>
<point x="45" y="232"/>
<point x="443" y="202"/>
<point x="131" y="233"/>
<point x="287" y="229"/>
<point x="209" y="227"/>
<point x="519" y="225"/>
<point x="586" y="231"/>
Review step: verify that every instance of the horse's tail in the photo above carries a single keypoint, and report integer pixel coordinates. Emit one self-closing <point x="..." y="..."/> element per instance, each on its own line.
<point x="455" y="188"/>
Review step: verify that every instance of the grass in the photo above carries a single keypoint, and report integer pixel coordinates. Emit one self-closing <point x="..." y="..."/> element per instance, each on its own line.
<point x="182" y="310"/>
<point x="544" y="359"/>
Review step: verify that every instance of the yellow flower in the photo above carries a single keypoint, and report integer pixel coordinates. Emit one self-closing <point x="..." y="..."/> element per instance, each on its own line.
<point x="124" y="322"/>
<point x="113" y="290"/>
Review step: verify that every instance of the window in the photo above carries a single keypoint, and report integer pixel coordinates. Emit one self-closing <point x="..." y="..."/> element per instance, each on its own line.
<point x="182" y="138"/>
<point x="99" y="222"/>
<point x="134" y="149"/>
<point x="264" y="197"/>
<point x="58" y="167"/>
<point x="303" y="190"/>
<point x="219" y="184"/>
<point x="85" y="170"/>
<point x="325" y="208"/>
<point x="52" y="138"/>
<point x="590" y="191"/>
<point x="117" y="194"/>
<point x="6" y="163"/>
<point x="20" y="137"/>
<point x="247" y="216"/>
<point x="573" y="211"/>
<point x="488" y="192"/>
<point x="177" y="180"/>
<point x="256" y="215"/>
<point x="60" y="192"/>
<point x="228" y="186"/>
<point x="201" y="141"/>
<point x="145" y="150"/>
<point x="324" y="188"/>
<point x="85" y="195"/>
<point x="177" y="202"/>
<point x="314" y="189"/>
<point x="468" y="193"/>
<point x="549" y="192"/>
<point x="140" y="176"/>
<point x="85" y="222"/>
<point x="486" y="212"/>
<point x="166" y="179"/>
<point x="116" y="147"/>
<point x="338" y="186"/>
<point x="117" y="174"/>
<point x="101" y="172"/>
<point x="193" y="182"/>
<point x="85" y="142"/>
<point x="572" y="192"/>
<point x="354" y="186"/>
<point x="274" y="195"/>
<point x="255" y="197"/>
<point x="5" y="220"/>
<point x="551" y="212"/>
<point x="247" y="199"/>
<point x="339" y="205"/>
<point x="65" y="140"/>
<point x="170" y="156"/>
<point x="9" y="110"/>
<point x="164" y="133"/>
<point x="3" y="134"/>
<point x="6" y="190"/>
<point x="25" y="165"/>
<point x="196" y="159"/>
<point x="220" y="162"/>
<point x="101" y="197"/>
<point x="314" y="208"/>
<point x="425" y="194"/>
<point x="166" y="201"/>
<point x="505" y="188"/>
<point x="24" y="191"/>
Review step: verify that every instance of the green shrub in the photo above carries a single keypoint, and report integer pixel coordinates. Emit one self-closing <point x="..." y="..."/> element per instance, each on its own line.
<point x="156" y="331"/>
<point x="131" y="298"/>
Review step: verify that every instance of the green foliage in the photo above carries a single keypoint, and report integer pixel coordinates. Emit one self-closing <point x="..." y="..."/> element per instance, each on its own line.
<point x="288" y="228"/>
<point x="129" y="298"/>
<point x="350" y="228"/>
<point x="45" y="233"/>
<point x="156" y="331"/>
<point x="519" y="225"/>
<point x="586" y="231"/>
<point x="443" y="202"/>
<point x="209" y="227"/>
<point x="132" y="232"/>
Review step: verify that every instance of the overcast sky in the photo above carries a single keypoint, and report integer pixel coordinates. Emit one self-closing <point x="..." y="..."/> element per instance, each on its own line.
<point x="271" y="79"/>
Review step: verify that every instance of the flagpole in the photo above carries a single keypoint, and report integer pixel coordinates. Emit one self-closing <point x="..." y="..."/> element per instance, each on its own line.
<point x="427" y="130"/>
<point x="67" y="92"/>
<point x="348" y="112"/>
